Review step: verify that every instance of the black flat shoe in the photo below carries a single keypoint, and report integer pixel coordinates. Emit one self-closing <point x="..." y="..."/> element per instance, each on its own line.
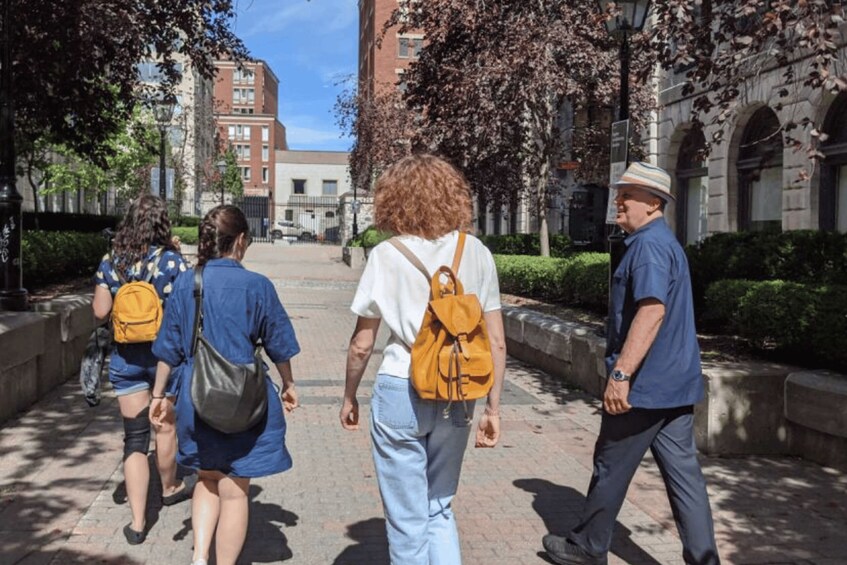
<point x="188" y="484"/>
<point x="133" y="537"/>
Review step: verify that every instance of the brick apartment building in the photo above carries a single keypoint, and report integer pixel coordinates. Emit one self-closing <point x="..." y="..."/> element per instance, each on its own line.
<point x="246" y="118"/>
<point x="381" y="67"/>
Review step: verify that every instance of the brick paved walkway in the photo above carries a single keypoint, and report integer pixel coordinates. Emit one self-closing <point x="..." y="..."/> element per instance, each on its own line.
<point x="60" y="476"/>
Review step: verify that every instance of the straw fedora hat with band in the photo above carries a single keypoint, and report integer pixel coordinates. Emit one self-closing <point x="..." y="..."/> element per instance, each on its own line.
<point x="650" y="178"/>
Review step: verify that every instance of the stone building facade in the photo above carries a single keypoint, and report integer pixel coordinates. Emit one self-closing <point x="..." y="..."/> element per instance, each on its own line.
<point x="752" y="180"/>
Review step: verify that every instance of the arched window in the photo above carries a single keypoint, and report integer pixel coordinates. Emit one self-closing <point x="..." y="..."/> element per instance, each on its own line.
<point x="692" y="198"/>
<point x="832" y="212"/>
<point x="760" y="174"/>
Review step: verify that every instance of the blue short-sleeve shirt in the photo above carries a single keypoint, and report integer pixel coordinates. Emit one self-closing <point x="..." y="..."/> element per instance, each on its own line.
<point x="165" y="266"/>
<point x="655" y="266"/>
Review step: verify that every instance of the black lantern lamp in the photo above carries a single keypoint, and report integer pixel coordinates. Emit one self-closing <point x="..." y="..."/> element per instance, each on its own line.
<point x="163" y="111"/>
<point x="625" y="18"/>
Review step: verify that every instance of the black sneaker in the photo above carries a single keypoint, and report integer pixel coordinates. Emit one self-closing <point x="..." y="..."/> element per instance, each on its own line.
<point x="562" y="551"/>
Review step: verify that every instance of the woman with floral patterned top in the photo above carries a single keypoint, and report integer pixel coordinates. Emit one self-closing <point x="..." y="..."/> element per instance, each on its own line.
<point x="142" y="246"/>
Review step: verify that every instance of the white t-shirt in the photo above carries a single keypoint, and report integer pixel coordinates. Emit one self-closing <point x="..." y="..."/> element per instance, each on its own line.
<point x="393" y="289"/>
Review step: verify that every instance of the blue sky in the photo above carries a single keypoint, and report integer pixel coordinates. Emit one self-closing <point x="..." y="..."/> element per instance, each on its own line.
<point x="310" y="45"/>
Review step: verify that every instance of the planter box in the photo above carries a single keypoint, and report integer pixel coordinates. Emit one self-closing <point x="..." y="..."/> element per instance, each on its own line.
<point x="354" y="257"/>
<point x="750" y="408"/>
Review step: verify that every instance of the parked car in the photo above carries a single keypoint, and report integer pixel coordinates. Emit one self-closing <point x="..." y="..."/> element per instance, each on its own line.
<point x="291" y="230"/>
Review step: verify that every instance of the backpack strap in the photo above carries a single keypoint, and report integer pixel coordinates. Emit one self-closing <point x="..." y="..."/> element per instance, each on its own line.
<point x="407" y="253"/>
<point x="198" y="307"/>
<point x="457" y="257"/>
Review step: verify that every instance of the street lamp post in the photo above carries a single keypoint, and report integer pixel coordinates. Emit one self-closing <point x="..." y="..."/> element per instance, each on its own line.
<point x="355" y="207"/>
<point x="12" y="294"/>
<point x="221" y="165"/>
<point x="626" y="17"/>
<point x="164" y="111"/>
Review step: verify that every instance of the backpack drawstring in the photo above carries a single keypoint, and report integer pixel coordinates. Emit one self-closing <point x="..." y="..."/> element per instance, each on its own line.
<point x="454" y="373"/>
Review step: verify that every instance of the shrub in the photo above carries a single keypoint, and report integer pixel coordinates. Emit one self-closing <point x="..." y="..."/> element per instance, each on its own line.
<point x="187" y="235"/>
<point x="188" y="221"/>
<point x="804" y="256"/>
<point x="802" y="323"/>
<point x="371" y="237"/>
<point x="722" y="301"/>
<point x="526" y="244"/>
<point x="52" y="256"/>
<point x="580" y="280"/>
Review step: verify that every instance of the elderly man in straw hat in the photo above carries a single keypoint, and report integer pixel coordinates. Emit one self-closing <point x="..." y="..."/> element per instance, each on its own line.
<point x="653" y="363"/>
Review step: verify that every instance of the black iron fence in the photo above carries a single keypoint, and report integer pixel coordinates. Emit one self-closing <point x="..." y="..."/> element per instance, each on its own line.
<point x="304" y="219"/>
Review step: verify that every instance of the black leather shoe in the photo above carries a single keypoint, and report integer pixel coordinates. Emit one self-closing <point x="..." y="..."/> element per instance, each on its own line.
<point x="563" y="552"/>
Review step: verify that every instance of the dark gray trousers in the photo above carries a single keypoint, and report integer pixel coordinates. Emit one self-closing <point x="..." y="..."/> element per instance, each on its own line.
<point x="621" y="445"/>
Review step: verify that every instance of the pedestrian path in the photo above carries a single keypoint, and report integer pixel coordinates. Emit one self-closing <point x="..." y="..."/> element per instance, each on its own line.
<point x="61" y="498"/>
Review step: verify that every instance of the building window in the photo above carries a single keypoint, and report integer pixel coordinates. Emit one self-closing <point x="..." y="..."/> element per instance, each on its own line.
<point x="329" y="215"/>
<point x="409" y="47"/>
<point x="330" y="188"/>
<point x="298" y="186"/>
<point x="692" y="195"/>
<point x="245" y="173"/>
<point x="832" y="191"/>
<point x="245" y="76"/>
<point x="266" y="155"/>
<point x="230" y="130"/>
<point x="242" y="151"/>
<point x="289" y="214"/>
<point x="265" y="133"/>
<point x="760" y="174"/>
<point x="243" y="95"/>
<point x="265" y="174"/>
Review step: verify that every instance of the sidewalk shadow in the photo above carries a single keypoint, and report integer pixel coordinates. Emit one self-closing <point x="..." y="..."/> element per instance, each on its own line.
<point x="560" y="509"/>
<point x="266" y="542"/>
<point x="371" y="544"/>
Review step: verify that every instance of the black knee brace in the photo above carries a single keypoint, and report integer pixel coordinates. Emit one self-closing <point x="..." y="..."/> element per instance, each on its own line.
<point x="137" y="434"/>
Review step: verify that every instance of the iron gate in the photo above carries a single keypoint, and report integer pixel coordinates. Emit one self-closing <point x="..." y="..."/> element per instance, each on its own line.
<point x="304" y="219"/>
<point x="259" y="215"/>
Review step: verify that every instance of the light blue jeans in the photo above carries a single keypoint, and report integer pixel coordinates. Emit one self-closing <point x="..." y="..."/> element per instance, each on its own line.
<point x="418" y="457"/>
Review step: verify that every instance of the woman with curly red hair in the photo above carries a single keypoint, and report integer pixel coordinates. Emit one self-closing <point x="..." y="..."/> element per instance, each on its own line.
<point x="418" y="453"/>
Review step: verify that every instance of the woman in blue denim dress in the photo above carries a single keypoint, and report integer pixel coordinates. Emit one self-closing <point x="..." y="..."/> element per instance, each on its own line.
<point x="417" y="451"/>
<point x="142" y="247"/>
<point x="240" y="308"/>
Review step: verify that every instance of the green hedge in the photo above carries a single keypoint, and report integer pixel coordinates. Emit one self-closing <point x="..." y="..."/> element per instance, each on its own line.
<point x="371" y="237"/>
<point x="188" y="221"/>
<point x="804" y="256"/>
<point x="804" y="323"/>
<point x="579" y="280"/>
<point x="527" y="244"/>
<point x="51" y="256"/>
<point x="187" y="235"/>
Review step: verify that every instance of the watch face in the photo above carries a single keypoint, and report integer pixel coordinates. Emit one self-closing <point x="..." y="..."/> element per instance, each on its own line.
<point x="619" y="376"/>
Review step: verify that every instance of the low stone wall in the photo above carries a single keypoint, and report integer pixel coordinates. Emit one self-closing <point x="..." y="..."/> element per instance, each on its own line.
<point x="750" y="408"/>
<point x="41" y="349"/>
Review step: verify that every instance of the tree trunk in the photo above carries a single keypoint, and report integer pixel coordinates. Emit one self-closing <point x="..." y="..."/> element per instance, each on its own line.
<point x="543" y="232"/>
<point x="34" y="194"/>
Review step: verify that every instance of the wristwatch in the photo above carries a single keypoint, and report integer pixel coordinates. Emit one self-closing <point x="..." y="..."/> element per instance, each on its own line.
<point x="618" y="375"/>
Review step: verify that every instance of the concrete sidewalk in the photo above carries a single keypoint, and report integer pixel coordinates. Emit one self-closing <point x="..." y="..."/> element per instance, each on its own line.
<point x="61" y="492"/>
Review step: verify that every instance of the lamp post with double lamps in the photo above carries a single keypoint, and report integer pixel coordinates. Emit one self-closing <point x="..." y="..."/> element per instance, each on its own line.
<point x="12" y="294"/>
<point x="163" y="110"/>
<point x="626" y="18"/>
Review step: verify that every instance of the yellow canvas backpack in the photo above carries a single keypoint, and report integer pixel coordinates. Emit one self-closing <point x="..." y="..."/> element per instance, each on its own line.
<point x="136" y="310"/>
<point x="451" y="356"/>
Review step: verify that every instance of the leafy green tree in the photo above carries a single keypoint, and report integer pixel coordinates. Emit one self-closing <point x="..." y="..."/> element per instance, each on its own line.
<point x="75" y="62"/>
<point x="130" y="157"/>
<point x="230" y="181"/>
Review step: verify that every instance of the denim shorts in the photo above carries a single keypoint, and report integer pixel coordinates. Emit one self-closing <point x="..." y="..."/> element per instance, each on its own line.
<point x="132" y="368"/>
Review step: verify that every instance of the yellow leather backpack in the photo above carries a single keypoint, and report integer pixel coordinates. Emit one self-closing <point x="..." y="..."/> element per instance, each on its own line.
<point x="136" y="310"/>
<point x="451" y="356"/>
